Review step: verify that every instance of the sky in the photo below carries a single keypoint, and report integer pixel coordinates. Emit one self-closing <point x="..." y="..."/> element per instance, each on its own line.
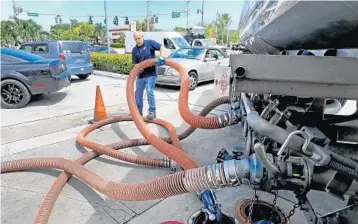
<point x="81" y="10"/>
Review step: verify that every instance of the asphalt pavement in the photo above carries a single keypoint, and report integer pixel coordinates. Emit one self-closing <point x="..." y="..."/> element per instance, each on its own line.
<point x="48" y="126"/>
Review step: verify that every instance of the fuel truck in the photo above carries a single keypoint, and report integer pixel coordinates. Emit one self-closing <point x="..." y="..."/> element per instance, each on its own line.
<point x="294" y="89"/>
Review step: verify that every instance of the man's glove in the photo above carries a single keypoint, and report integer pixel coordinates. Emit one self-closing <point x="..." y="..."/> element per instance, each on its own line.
<point x="160" y="61"/>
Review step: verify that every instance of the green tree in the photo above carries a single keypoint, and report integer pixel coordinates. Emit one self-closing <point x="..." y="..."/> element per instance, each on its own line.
<point x="234" y="36"/>
<point x="99" y="33"/>
<point x="73" y="31"/>
<point x="210" y="30"/>
<point x="179" y="29"/>
<point x="84" y="31"/>
<point x="62" y="32"/>
<point x="16" y="31"/>
<point x="142" y="25"/>
<point x="222" y="22"/>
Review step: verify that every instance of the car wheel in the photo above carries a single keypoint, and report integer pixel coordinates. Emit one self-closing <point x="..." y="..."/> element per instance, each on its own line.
<point x="14" y="94"/>
<point x="83" y="76"/>
<point x="193" y="80"/>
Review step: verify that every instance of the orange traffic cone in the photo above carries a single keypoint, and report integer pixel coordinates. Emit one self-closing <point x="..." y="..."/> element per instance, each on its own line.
<point x="99" y="108"/>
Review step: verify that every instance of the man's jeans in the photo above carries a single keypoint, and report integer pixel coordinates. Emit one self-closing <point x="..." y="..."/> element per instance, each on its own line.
<point x="149" y="84"/>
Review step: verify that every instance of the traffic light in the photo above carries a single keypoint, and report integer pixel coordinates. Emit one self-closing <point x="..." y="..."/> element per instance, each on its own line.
<point x="90" y="20"/>
<point x="156" y="19"/>
<point x="115" y="21"/>
<point x="126" y="21"/>
<point x="58" y="19"/>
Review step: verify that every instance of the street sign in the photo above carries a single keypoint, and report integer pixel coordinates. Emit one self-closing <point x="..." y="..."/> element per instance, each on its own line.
<point x="175" y="14"/>
<point x="33" y="14"/>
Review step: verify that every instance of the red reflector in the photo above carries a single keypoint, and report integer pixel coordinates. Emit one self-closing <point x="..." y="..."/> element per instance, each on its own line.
<point x="62" y="56"/>
<point x="40" y="85"/>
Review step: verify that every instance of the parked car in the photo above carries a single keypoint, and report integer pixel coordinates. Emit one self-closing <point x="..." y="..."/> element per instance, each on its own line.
<point x="24" y="74"/>
<point x="74" y="53"/>
<point x="200" y="62"/>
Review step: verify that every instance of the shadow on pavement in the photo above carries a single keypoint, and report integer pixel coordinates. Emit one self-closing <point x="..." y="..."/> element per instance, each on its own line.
<point x="75" y="79"/>
<point x="47" y="99"/>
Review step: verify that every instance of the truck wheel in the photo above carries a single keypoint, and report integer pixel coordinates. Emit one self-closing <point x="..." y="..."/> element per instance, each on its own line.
<point x="14" y="94"/>
<point x="83" y="76"/>
<point x="193" y="80"/>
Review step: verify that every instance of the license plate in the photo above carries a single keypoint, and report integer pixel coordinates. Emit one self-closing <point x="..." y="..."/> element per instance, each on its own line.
<point x="78" y="59"/>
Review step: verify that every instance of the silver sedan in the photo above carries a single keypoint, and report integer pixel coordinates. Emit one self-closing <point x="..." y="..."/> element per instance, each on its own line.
<point x="200" y="62"/>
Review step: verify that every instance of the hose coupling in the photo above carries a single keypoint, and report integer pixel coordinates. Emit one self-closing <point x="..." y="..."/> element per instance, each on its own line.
<point x="230" y="173"/>
<point x="244" y="171"/>
<point x="229" y="118"/>
<point x="166" y="163"/>
<point x="173" y="165"/>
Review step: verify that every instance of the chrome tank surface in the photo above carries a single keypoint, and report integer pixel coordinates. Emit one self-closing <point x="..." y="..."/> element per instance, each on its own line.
<point x="268" y="27"/>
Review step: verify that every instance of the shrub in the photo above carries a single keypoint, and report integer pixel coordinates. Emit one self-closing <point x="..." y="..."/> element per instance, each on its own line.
<point x="117" y="45"/>
<point x="118" y="63"/>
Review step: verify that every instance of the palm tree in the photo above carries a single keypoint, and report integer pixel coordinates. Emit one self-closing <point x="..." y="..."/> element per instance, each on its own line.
<point x="99" y="32"/>
<point x="222" y="22"/>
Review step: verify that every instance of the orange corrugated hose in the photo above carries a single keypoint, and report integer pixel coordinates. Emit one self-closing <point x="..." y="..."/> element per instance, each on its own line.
<point x="191" y="180"/>
<point x="171" y="151"/>
<point x="49" y="200"/>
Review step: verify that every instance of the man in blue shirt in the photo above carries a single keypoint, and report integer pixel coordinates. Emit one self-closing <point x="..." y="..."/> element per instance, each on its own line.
<point x="145" y="49"/>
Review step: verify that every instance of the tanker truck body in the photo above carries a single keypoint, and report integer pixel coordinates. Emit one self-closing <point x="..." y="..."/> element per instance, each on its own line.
<point x="295" y="92"/>
<point x="273" y="26"/>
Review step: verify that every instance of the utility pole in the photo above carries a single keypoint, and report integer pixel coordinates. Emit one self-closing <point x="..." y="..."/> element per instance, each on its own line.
<point x="148" y="15"/>
<point x="107" y="31"/>
<point x="14" y="7"/>
<point x="17" y="10"/>
<point x="187" y="14"/>
<point x="202" y="13"/>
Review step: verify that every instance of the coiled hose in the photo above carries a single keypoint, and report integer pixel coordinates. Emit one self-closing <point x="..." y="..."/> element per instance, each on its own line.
<point x="184" y="110"/>
<point x="186" y="181"/>
<point x="49" y="200"/>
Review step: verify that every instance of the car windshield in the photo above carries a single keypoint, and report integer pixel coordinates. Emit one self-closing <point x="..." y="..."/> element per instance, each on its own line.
<point x="73" y="47"/>
<point x="206" y="42"/>
<point x="21" y="54"/>
<point x="189" y="53"/>
<point x="181" y="42"/>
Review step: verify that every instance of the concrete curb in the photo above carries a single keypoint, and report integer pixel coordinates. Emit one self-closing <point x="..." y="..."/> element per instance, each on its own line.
<point x="110" y="74"/>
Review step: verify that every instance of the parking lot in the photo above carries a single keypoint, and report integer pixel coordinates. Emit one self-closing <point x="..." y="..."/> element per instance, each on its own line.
<point x="48" y="127"/>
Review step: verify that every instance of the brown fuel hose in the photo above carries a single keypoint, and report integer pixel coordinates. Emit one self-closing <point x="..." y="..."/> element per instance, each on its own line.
<point x="179" y="156"/>
<point x="49" y="200"/>
<point x="101" y="149"/>
<point x="170" y="185"/>
<point x="184" y="110"/>
<point x="186" y="181"/>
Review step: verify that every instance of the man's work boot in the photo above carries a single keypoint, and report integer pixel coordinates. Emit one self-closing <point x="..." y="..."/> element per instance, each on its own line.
<point x="151" y="115"/>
